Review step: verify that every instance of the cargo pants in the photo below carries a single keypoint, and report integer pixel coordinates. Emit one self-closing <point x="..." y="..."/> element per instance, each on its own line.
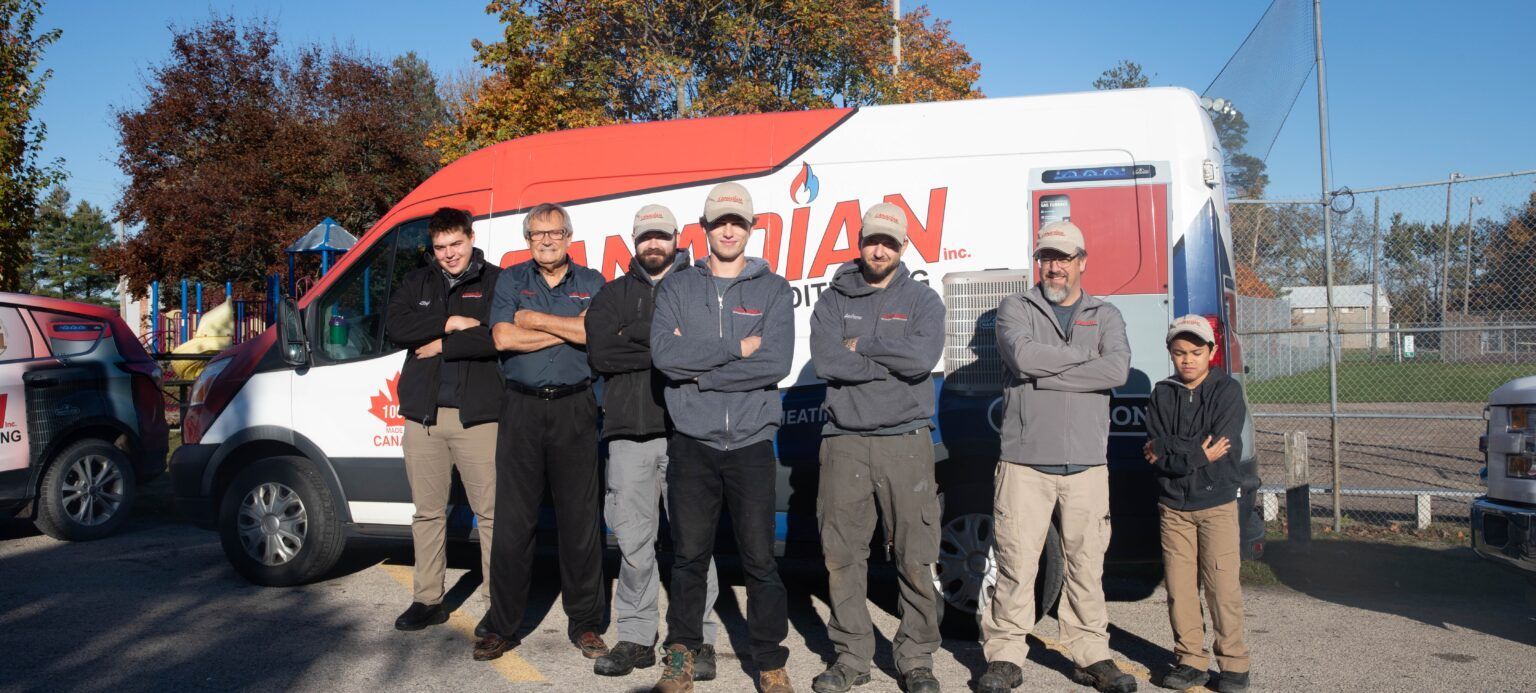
<point x="431" y="455"/>
<point x="894" y="474"/>
<point x="1201" y="548"/>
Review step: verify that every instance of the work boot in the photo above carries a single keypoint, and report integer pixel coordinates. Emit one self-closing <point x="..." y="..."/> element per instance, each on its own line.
<point x="1184" y="677"/>
<point x="591" y="645"/>
<point x="774" y="681"/>
<point x="838" y="678"/>
<point x="624" y="658"/>
<point x="920" y="680"/>
<point x="704" y="663"/>
<point x="1232" y="682"/>
<point x="1000" y="677"/>
<point x="419" y="616"/>
<point x="677" y="674"/>
<point x="484" y="626"/>
<point x="1105" y="677"/>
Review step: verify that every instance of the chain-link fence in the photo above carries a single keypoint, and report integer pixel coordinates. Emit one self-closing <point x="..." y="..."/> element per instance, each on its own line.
<point x="1433" y="305"/>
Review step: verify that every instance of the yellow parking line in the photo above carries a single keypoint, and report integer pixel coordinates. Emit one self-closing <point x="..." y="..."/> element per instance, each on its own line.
<point x="512" y="667"/>
<point x="1128" y="667"/>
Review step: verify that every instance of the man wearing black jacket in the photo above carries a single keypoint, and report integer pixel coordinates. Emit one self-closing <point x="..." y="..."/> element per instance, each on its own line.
<point x="450" y="396"/>
<point x="635" y="425"/>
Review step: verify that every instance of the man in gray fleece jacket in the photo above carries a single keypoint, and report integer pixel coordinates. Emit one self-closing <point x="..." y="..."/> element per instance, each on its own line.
<point x="724" y="333"/>
<point x="875" y="338"/>
<point x="1064" y="351"/>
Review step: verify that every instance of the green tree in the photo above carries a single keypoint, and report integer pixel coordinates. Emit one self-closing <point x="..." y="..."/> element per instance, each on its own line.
<point x="1124" y="75"/>
<point x="65" y="244"/>
<point x="22" y="177"/>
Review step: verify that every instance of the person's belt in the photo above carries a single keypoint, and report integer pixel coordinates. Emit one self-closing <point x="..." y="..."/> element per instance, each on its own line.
<point x="549" y="391"/>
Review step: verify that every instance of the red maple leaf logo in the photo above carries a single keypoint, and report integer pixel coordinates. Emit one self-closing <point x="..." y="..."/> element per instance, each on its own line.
<point x="386" y="404"/>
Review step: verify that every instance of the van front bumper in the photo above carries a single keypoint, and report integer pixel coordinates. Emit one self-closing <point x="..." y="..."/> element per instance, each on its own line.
<point x="1502" y="532"/>
<point x="189" y="465"/>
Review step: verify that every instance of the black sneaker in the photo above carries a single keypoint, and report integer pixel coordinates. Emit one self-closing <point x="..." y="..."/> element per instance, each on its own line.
<point x="1105" y="677"/>
<point x="704" y="663"/>
<point x="1234" y="682"/>
<point x="1000" y="677"/>
<point x="838" y="678"/>
<point x="1184" y="677"/>
<point x="920" y="680"/>
<point x="419" y="616"/>
<point x="624" y="658"/>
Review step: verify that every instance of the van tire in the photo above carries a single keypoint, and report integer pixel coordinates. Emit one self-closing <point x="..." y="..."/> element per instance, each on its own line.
<point x="278" y="523"/>
<point x="970" y="507"/>
<point x="97" y="472"/>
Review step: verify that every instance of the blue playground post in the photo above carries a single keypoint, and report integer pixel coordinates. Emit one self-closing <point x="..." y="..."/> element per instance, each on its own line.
<point x="184" y="311"/>
<point x="367" y="290"/>
<point x="325" y="262"/>
<point x="199" y="299"/>
<point x="154" y="315"/>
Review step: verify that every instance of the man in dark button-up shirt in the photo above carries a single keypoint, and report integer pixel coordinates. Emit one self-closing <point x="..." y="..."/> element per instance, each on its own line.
<point x="548" y="432"/>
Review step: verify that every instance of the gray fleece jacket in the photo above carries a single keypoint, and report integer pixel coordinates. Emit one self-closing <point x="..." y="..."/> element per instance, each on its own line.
<point x="715" y="395"/>
<point x="1056" y="406"/>
<point x="884" y="385"/>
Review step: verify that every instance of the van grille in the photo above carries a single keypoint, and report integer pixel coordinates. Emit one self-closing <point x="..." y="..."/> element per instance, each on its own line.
<point x="971" y="362"/>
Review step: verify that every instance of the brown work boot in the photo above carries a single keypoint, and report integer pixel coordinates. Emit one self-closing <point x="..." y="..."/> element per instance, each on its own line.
<point x="591" y="645"/>
<point x="774" y="681"/>
<point x="677" y="672"/>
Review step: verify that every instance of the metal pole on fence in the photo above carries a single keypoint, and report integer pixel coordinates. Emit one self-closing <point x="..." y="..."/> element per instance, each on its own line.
<point x="1466" y="273"/>
<point x="1445" y="249"/>
<point x="1333" y="359"/>
<point x="1375" y="271"/>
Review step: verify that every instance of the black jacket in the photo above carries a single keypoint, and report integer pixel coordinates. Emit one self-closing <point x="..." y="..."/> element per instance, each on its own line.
<point x="619" y="349"/>
<point x="418" y="312"/>
<point x="1178" y="420"/>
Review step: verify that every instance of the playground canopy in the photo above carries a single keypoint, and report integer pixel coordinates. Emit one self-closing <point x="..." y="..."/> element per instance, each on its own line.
<point x="326" y="236"/>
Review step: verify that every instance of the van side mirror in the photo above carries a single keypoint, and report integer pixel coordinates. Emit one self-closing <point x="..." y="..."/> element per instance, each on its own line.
<point x="290" y="333"/>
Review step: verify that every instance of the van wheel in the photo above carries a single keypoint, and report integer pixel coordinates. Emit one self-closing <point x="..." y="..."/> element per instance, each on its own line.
<point x="278" y="523"/>
<point x="966" y="570"/>
<point x="87" y="492"/>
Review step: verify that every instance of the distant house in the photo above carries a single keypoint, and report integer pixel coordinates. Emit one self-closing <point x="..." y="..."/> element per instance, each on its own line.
<point x="1352" y="309"/>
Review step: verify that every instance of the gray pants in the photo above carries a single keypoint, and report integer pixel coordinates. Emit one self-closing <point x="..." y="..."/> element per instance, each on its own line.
<point x="637" y="484"/>
<point x="894" y="474"/>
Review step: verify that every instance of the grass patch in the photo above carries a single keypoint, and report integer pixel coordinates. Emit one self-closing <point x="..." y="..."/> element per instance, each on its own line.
<point x="1257" y="574"/>
<point x="1390" y="382"/>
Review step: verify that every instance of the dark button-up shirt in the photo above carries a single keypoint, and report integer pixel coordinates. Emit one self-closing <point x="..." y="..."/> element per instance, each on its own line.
<point x="522" y="287"/>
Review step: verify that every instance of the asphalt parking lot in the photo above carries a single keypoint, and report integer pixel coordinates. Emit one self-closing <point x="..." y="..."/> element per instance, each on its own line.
<point x="157" y="607"/>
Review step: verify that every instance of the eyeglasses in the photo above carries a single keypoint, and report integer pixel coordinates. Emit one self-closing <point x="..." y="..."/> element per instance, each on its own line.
<point x="554" y="235"/>
<point x="1056" y="260"/>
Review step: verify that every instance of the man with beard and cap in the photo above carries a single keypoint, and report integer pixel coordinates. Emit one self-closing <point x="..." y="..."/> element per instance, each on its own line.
<point x="1064" y="351"/>
<point x="635" y="426"/>
<point x="875" y="338"/>
<point x="450" y="397"/>
<point x="724" y="335"/>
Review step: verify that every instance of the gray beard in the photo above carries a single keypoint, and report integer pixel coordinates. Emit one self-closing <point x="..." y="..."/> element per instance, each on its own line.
<point x="1054" y="295"/>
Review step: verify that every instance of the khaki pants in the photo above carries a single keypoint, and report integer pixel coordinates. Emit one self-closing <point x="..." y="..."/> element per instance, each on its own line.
<point x="1201" y="547"/>
<point x="431" y="454"/>
<point x="1023" y="502"/>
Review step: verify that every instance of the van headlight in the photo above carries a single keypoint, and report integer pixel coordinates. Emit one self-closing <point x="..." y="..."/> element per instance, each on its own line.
<point x="1520" y="420"/>
<point x="204" y="381"/>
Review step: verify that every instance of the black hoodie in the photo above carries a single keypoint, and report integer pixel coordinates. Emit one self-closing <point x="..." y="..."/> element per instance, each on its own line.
<point x="418" y="311"/>
<point x="1178" y="421"/>
<point x="619" y="349"/>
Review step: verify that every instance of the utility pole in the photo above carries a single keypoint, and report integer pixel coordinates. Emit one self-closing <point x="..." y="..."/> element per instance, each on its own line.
<point x="1445" y="250"/>
<point x="1327" y="208"/>
<point x="896" y="37"/>
<point x="1375" y="272"/>
<point x="1466" y="276"/>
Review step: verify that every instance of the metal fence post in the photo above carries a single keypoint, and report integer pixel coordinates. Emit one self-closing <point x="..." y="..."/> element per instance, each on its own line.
<point x="1445" y="250"/>
<point x="1333" y="358"/>
<point x="1375" y="273"/>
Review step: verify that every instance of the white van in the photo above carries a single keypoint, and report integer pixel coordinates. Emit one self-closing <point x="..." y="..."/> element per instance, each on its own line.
<point x="292" y="441"/>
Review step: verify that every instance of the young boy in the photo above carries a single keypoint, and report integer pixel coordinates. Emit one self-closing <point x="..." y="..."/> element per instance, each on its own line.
<point x="1194" y="440"/>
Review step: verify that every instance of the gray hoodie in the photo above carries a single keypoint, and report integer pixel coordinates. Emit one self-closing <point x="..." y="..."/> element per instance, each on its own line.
<point x="1056" y="407"/>
<point x="884" y="386"/>
<point x="716" y="395"/>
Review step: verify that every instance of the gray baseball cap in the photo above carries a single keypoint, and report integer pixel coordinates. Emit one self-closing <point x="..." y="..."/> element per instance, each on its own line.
<point x="1193" y="325"/>
<point x="1061" y="236"/>
<point x="884" y="219"/>
<point x="654" y="218"/>
<point x="727" y="199"/>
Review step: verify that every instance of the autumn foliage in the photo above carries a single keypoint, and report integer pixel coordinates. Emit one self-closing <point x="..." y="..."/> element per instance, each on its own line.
<point x="577" y="63"/>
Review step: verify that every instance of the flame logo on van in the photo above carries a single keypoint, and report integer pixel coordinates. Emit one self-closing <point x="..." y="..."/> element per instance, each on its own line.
<point x="386" y="404"/>
<point x="807" y="183"/>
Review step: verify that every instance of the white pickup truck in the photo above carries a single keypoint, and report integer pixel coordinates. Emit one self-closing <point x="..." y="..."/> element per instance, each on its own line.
<point x="1504" y="520"/>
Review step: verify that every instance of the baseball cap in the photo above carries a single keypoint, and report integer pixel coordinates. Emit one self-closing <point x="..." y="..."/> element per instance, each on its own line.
<point x="1061" y="236"/>
<point x="728" y="199"/>
<point x="654" y="218"/>
<point x="1193" y="325"/>
<point x="884" y="219"/>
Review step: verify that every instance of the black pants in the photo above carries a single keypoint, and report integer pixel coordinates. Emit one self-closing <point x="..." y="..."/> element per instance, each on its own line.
<point x="699" y="477"/>
<point x="552" y="441"/>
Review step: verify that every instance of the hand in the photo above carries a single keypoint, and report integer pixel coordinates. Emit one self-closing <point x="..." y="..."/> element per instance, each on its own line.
<point x="1214" y="451"/>
<point x="750" y="344"/>
<point x="526" y="319"/>
<point x="852" y="344"/>
<point x="1146" y="451"/>
<point x="457" y="323"/>
<point x="677" y="332"/>
<point x="429" y="350"/>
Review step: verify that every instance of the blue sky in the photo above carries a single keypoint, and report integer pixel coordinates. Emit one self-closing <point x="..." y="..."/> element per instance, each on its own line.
<point x="1417" y="89"/>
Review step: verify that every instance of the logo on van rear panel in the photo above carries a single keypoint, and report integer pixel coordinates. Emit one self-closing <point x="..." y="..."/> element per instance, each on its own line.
<point x="9" y="433"/>
<point x="385" y="406"/>
<point x="806" y="185"/>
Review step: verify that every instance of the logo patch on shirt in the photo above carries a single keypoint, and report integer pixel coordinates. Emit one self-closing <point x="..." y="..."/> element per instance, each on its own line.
<point x="528" y="292"/>
<point x="893" y="316"/>
<point x="851" y="316"/>
<point x="1086" y="323"/>
<point x="473" y="294"/>
<point x="742" y="310"/>
<point x="581" y="295"/>
<point x="424" y="303"/>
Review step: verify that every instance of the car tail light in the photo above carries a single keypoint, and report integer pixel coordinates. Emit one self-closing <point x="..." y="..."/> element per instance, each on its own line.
<point x="1219" y="360"/>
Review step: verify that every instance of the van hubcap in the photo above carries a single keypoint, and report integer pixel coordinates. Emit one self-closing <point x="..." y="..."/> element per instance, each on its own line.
<point x="965" y="565"/>
<point x="92" y="490"/>
<point x="272" y="523"/>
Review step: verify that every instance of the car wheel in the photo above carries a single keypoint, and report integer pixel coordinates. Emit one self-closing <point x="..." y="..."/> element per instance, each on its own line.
<point x="278" y="523"/>
<point x="87" y="492"/>
<point x="966" y="570"/>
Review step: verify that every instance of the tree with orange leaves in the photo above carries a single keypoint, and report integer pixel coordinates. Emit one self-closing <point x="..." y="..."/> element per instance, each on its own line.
<point x="578" y="63"/>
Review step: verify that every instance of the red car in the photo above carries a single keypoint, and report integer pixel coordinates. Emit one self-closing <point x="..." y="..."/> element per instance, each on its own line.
<point x="82" y="420"/>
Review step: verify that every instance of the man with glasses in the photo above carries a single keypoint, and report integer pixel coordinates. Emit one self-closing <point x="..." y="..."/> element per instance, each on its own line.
<point x="724" y="334"/>
<point x="548" y="435"/>
<point x="1064" y="351"/>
